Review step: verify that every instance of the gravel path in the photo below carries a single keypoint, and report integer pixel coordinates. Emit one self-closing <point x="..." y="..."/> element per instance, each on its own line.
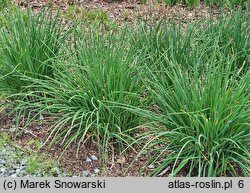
<point x="16" y="162"/>
<point x="19" y="162"/>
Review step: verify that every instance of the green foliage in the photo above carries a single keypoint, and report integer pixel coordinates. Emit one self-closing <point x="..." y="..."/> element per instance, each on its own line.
<point x="229" y="35"/>
<point x="206" y="116"/>
<point x="5" y="16"/>
<point x="39" y="164"/>
<point x="143" y="1"/>
<point x="33" y="165"/>
<point x="197" y="76"/>
<point x="86" y="16"/>
<point x="4" y="138"/>
<point x="89" y="91"/>
<point x="91" y="17"/>
<point x="29" y="44"/>
<point x="192" y="3"/>
<point x="4" y="4"/>
<point x="170" y="2"/>
<point x="204" y="106"/>
<point x="125" y="14"/>
<point x="95" y="16"/>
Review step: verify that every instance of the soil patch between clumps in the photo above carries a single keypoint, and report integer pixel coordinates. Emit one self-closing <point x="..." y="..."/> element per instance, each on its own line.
<point x="70" y="161"/>
<point x="129" y="11"/>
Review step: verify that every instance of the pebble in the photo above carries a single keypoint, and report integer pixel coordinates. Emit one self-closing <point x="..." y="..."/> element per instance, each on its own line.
<point x="96" y="170"/>
<point x="23" y="173"/>
<point x="85" y="173"/>
<point x="93" y="158"/>
<point x="151" y="166"/>
<point x="12" y="165"/>
<point x="3" y="170"/>
<point x="13" y="129"/>
<point x="22" y="167"/>
<point x="14" y="120"/>
<point x="23" y="163"/>
<point x="11" y="172"/>
<point x="41" y="118"/>
<point x="88" y="159"/>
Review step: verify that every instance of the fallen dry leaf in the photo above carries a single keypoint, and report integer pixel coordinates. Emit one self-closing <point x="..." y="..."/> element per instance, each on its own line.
<point x="121" y="161"/>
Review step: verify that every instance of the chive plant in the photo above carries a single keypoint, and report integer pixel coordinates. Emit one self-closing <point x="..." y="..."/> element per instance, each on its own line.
<point x="204" y="107"/>
<point x="206" y="121"/>
<point x="88" y="90"/>
<point x="197" y="76"/>
<point x="29" y="44"/>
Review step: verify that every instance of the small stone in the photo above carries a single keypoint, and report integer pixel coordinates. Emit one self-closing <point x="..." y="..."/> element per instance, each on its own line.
<point x="14" y="175"/>
<point x="41" y="118"/>
<point x="14" y="120"/>
<point x="13" y="129"/>
<point x="93" y="158"/>
<point x="23" y="163"/>
<point x="23" y="167"/>
<point x="22" y="173"/>
<point x="88" y="160"/>
<point x="11" y="172"/>
<point x="85" y="173"/>
<point x="151" y="166"/>
<point x="3" y="170"/>
<point x="18" y="171"/>
<point x="2" y="162"/>
<point x="96" y="170"/>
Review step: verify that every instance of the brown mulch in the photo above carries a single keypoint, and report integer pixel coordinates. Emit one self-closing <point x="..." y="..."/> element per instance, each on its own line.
<point x="131" y="10"/>
<point x="74" y="163"/>
<point x="70" y="161"/>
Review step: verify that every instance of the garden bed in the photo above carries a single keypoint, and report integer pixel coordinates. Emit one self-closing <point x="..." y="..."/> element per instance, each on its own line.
<point x="125" y="89"/>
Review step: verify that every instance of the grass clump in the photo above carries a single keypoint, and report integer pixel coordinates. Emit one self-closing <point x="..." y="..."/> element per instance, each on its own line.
<point x="197" y="76"/>
<point x="29" y="44"/>
<point x="206" y="121"/>
<point x="88" y="91"/>
<point x="203" y="107"/>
